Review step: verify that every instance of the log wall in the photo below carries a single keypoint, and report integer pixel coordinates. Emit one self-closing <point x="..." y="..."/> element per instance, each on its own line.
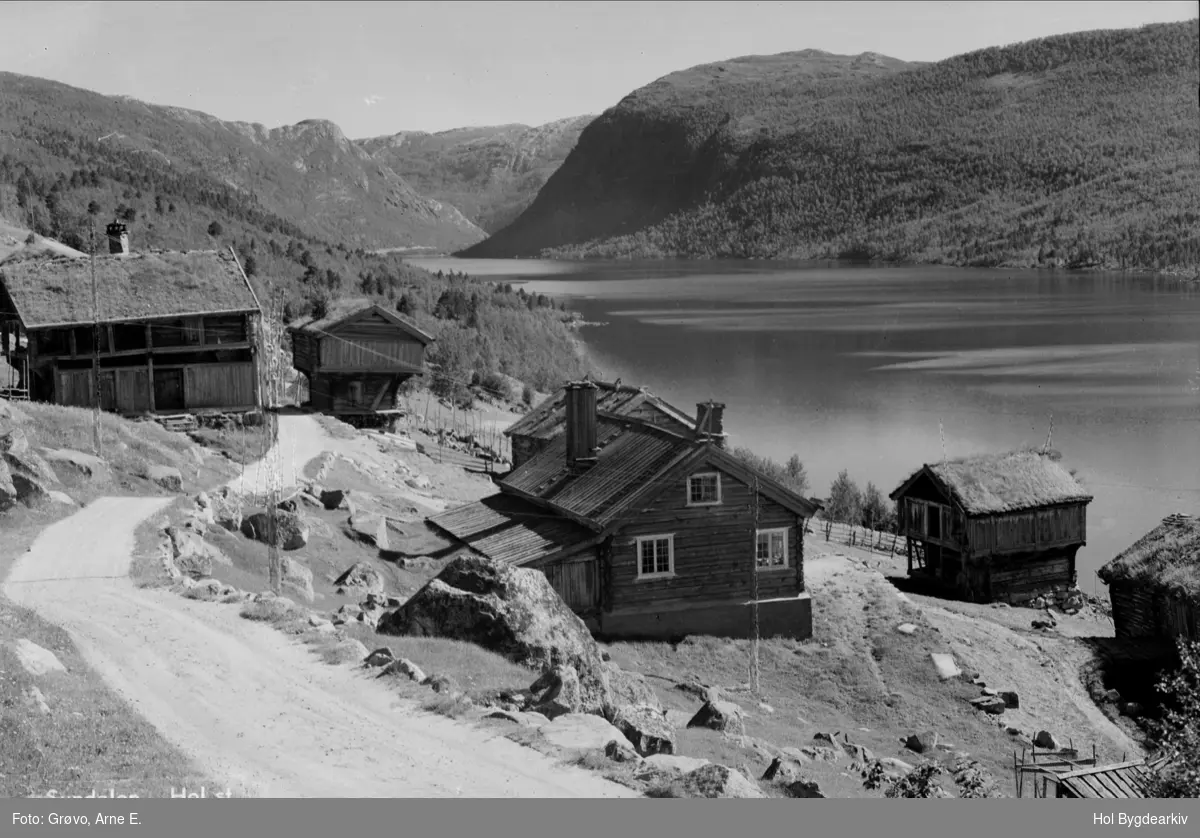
<point x="714" y="549"/>
<point x="1140" y="611"/>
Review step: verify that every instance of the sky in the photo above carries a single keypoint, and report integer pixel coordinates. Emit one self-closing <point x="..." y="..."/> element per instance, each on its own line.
<point x="378" y="68"/>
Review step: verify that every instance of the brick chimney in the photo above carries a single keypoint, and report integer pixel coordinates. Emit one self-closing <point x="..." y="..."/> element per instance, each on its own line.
<point x="581" y="424"/>
<point x="710" y="425"/>
<point x="118" y="238"/>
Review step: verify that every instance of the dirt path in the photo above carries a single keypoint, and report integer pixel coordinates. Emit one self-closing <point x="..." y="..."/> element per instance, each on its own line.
<point x="301" y="439"/>
<point x="257" y="712"/>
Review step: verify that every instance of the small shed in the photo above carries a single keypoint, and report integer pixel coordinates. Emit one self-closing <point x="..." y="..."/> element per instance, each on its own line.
<point x="999" y="527"/>
<point x="1154" y="584"/>
<point x="356" y="356"/>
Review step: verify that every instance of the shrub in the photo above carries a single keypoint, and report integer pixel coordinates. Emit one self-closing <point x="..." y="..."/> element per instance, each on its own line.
<point x="1177" y="733"/>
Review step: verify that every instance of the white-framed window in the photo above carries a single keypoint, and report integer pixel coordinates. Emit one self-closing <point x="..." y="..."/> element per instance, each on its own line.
<point x="771" y="549"/>
<point x="356" y="393"/>
<point x="704" y="489"/>
<point x="655" y="556"/>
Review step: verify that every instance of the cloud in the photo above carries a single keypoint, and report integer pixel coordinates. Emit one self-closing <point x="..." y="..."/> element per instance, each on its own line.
<point x="372" y="99"/>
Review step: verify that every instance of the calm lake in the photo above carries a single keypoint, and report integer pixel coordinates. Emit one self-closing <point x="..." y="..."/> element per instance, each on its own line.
<point x="874" y="370"/>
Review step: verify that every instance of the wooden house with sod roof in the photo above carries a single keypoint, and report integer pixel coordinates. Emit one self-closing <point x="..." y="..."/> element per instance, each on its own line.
<point x="538" y="428"/>
<point x="356" y="355"/>
<point x="647" y="530"/>
<point x="177" y="332"/>
<point x="1002" y="527"/>
<point x="1154" y="585"/>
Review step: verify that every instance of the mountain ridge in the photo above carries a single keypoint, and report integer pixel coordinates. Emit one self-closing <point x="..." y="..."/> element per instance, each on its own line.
<point x="1073" y="150"/>
<point x="347" y="196"/>
<point x="492" y="173"/>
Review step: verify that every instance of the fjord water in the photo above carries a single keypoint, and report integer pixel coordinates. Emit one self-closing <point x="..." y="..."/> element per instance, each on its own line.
<point x="868" y="369"/>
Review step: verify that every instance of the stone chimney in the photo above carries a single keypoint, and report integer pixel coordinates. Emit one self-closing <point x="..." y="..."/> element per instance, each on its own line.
<point x="710" y="417"/>
<point x="118" y="238"/>
<point x="580" y="399"/>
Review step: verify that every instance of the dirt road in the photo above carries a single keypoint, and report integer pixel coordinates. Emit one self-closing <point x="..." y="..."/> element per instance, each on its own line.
<point x="257" y="712"/>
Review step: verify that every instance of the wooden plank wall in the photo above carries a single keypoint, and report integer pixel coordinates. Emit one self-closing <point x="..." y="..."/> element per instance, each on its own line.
<point x="714" y="549"/>
<point x="369" y="353"/>
<point x="1027" y="578"/>
<point x="304" y="355"/>
<point x="577" y="581"/>
<point x="219" y="385"/>
<point x="74" y="388"/>
<point x="1141" y="611"/>
<point x="132" y="390"/>
<point x="1059" y="525"/>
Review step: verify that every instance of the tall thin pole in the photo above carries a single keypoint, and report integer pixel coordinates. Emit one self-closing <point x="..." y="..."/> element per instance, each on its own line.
<point x="754" y="680"/>
<point x="273" y="351"/>
<point x="96" y="441"/>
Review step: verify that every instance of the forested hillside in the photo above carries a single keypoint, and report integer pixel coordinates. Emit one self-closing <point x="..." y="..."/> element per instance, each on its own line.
<point x="307" y="173"/>
<point x="490" y="173"/>
<point x="1076" y="150"/>
<point x="61" y="178"/>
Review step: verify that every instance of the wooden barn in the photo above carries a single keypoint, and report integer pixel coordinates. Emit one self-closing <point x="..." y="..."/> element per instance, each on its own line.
<point x="538" y="428"/>
<point x="356" y="356"/>
<point x="994" y="528"/>
<point x="648" y="531"/>
<point x="177" y="331"/>
<point x="1154" y="585"/>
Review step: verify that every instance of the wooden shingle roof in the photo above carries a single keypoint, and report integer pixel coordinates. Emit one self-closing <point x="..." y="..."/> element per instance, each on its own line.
<point x="345" y="311"/>
<point x="549" y="418"/>
<point x="508" y="529"/>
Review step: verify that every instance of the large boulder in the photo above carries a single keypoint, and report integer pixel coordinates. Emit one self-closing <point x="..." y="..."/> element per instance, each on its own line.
<point x="8" y="490"/>
<point x="297" y="579"/>
<point x="362" y="577"/>
<point x="511" y="611"/>
<point x="13" y="442"/>
<point x="87" y="465"/>
<point x="716" y="714"/>
<point x="582" y="731"/>
<point x="368" y="528"/>
<point x="647" y="729"/>
<point x="714" y="780"/>
<point x="291" y="530"/>
<point x="167" y="477"/>
<point x="30" y="473"/>
<point x="557" y="692"/>
<point x="193" y="555"/>
<point x="629" y="689"/>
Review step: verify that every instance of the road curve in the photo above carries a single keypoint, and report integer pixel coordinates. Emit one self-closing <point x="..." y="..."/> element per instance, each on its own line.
<point x="256" y="711"/>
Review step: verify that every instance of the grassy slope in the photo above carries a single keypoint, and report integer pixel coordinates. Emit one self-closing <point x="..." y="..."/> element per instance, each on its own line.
<point x="91" y="739"/>
<point x="1074" y="150"/>
<point x="490" y="173"/>
<point x="308" y="172"/>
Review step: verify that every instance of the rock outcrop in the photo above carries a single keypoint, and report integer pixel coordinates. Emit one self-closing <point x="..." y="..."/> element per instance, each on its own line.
<point x="291" y="530"/>
<point x="511" y="611"/>
<point x="362" y="578"/>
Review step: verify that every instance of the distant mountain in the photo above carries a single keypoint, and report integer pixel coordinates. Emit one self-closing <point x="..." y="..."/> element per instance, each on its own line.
<point x="490" y="173"/>
<point x="1075" y="150"/>
<point x="308" y="173"/>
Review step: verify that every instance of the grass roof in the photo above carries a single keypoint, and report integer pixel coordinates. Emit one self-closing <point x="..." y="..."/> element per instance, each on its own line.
<point x="57" y="291"/>
<point x="1167" y="557"/>
<point x="992" y="484"/>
